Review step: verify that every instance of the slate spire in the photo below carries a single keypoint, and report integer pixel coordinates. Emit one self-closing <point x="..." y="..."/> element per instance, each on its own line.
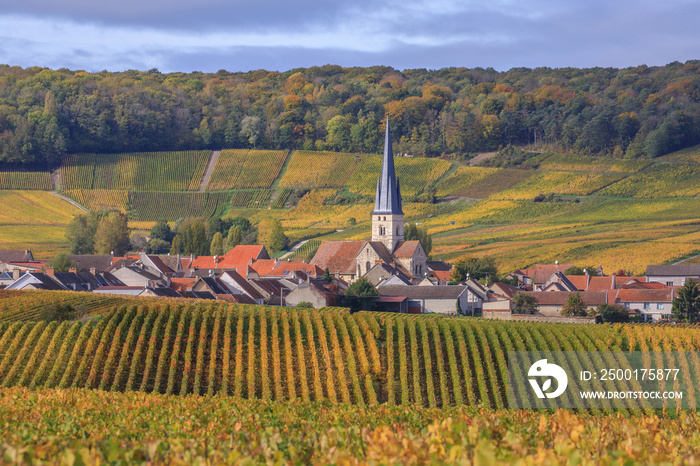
<point x="388" y="199"/>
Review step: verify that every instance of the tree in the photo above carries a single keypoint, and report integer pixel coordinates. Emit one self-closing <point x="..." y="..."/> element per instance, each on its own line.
<point x="112" y="234"/>
<point x="194" y="238"/>
<point x="686" y="306"/>
<point x="271" y="234"/>
<point x="157" y="246"/>
<point x="62" y="263"/>
<point x="575" y="270"/>
<point x="614" y="313"/>
<point x="176" y="247"/>
<point x="251" y="128"/>
<point x="80" y="233"/>
<point x="161" y="230"/>
<point x="327" y="275"/>
<point x="574" y="306"/>
<point x="414" y="232"/>
<point x="304" y="305"/>
<point x="476" y="268"/>
<point x="525" y="304"/>
<point x="233" y="238"/>
<point x="217" y="245"/>
<point x="361" y="295"/>
<point x="137" y="242"/>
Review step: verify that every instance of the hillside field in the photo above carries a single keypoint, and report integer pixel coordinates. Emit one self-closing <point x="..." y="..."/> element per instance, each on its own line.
<point x="618" y="213"/>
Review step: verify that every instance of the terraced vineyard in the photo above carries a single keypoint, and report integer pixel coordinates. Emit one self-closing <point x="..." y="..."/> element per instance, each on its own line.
<point x="257" y="198"/>
<point x="101" y="199"/>
<point x="288" y="354"/>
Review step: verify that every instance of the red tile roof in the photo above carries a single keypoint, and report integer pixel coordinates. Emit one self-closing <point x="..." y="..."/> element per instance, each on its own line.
<point x="284" y="268"/>
<point x="237" y="258"/>
<point x="406" y="249"/>
<point x="540" y="273"/>
<point x="645" y="296"/>
<point x="182" y="284"/>
<point x="338" y="256"/>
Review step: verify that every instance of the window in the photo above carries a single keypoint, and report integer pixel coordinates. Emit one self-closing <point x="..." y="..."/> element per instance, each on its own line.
<point x="367" y="267"/>
<point x="669" y="283"/>
<point x="659" y="306"/>
<point x="646" y="306"/>
<point x="397" y="231"/>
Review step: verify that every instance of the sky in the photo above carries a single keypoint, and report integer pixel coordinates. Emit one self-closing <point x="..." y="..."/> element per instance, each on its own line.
<point x="243" y="35"/>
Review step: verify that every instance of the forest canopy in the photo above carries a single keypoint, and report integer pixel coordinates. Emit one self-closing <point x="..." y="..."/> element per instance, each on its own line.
<point x="634" y="112"/>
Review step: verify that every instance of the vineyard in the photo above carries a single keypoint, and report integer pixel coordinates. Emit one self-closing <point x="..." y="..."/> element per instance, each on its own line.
<point x="414" y="174"/>
<point x="309" y="169"/>
<point x="42" y="426"/>
<point x="171" y="206"/>
<point x="26" y="180"/>
<point x="246" y="169"/>
<point x="257" y="198"/>
<point x="140" y="171"/>
<point x="287" y="354"/>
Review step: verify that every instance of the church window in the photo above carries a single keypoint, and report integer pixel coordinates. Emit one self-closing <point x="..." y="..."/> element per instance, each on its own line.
<point x="385" y="219"/>
<point x="367" y="267"/>
<point x="397" y="231"/>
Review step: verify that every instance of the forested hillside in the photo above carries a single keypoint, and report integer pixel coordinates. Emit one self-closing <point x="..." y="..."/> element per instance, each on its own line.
<point x="635" y="112"/>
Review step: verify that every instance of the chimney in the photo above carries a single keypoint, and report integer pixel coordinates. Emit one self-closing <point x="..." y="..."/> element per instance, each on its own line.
<point x="73" y="270"/>
<point x="49" y="271"/>
<point x="93" y="271"/>
<point x="15" y="274"/>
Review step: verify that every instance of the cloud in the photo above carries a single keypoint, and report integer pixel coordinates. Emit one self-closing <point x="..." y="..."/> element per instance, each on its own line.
<point x="246" y="34"/>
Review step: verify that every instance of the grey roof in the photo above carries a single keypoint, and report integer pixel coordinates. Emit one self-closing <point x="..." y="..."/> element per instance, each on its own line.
<point x="673" y="270"/>
<point x="388" y="198"/>
<point x="16" y="255"/>
<point x="427" y="292"/>
<point x="100" y="262"/>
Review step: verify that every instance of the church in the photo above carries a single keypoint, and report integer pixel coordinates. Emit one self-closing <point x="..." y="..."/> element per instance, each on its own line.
<point x="350" y="260"/>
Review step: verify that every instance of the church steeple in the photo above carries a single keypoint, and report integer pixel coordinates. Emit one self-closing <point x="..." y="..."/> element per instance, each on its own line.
<point x="387" y="218"/>
<point x="388" y="199"/>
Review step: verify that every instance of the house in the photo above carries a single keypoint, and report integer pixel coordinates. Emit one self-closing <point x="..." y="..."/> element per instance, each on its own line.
<point x="441" y="299"/>
<point x="16" y="255"/>
<point x="125" y="290"/>
<point x="440" y="270"/>
<point x="673" y="275"/>
<point x="537" y="276"/>
<point x="98" y="262"/>
<point x="383" y="273"/>
<point x="160" y="291"/>
<point x="319" y="293"/>
<point x="237" y="285"/>
<point x="238" y="258"/>
<point x="393" y="304"/>
<point x="133" y="275"/>
<point x="652" y="304"/>
<point x="552" y="302"/>
<point x="35" y="281"/>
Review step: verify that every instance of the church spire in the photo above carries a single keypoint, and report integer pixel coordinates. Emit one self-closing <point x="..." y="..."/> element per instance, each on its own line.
<point x="388" y="199"/>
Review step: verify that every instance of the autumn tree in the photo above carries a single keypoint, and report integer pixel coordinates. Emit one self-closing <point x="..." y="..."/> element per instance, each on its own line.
<point x="112" y="234"/>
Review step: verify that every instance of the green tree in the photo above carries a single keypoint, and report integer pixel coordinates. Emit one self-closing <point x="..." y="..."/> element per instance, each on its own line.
<point x="338" y="129"/>
<point x="194" y="238"/>
<point x="216" y="248"/>
<point x="575" y="270"/>
<point x="413" y="232"/>
<point x="361" y="295"/>
<point x="271" y="235"/>
<point x="476" y="268"/>
<point x="233" y="238"/>
<point x="574" y="306"/>
<point x="525" y="304"/>
<point x="327" y="275"/>
<point x="161" y="230"/>
<point x="80" y="232"/>
<point x="686" y="306"/>
<point x="176" y="247"/>
<point x="112" y="234"/>
<point x="304" y="305"/>
<point x="61" y="263"/>
<point x="614" y="313"/>
<point x="157" y="246"/>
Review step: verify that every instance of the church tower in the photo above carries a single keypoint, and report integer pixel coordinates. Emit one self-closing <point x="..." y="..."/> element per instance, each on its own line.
<point x="387" y="218"/>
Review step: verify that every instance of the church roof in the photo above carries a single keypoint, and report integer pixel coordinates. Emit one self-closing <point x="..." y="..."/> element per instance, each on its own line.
<point x="406" y="249"/>
<point x="338" y="256"/>
<point x="388" y="198"/>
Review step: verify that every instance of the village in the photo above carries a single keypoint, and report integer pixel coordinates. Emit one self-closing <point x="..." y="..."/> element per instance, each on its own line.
<point x="399" y="270"/>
